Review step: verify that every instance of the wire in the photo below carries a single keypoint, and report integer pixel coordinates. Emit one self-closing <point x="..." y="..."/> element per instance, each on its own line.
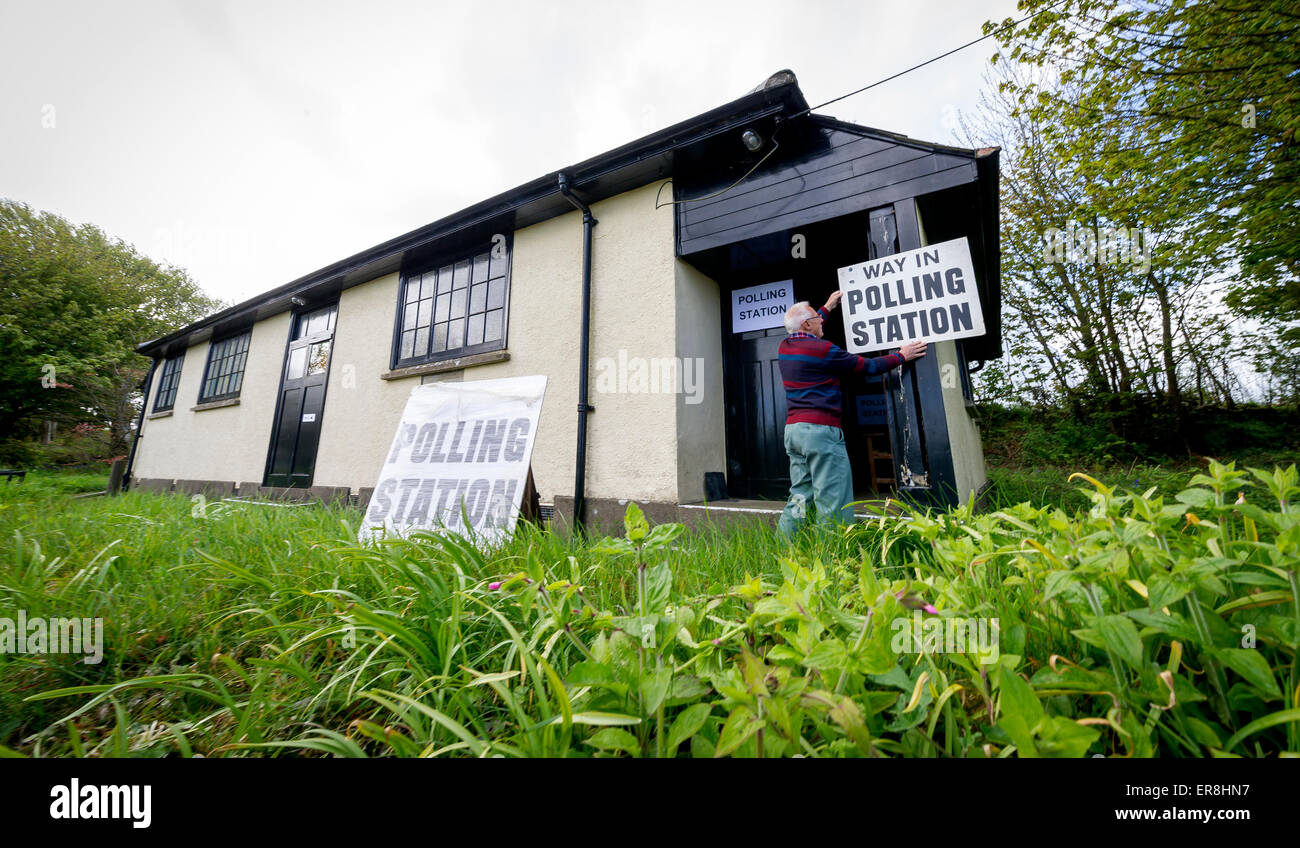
<point x="997" y="31"/>
<point x="728" y="188"/>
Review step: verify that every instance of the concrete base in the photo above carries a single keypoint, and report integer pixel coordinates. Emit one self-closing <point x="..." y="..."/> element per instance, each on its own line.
<point x="145" y="484"/>
<point x="605" y="515"/>
<point x="211" y="489"/>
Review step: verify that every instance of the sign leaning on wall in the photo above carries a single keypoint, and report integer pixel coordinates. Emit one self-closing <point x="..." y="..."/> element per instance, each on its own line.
<point x="761" y="307"/>
<point x="927" y="294"/>
<point x="459" y="460"/>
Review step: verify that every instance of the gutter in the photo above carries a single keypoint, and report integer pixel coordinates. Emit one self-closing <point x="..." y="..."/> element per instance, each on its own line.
<point x="508" y="205"/>
<point x="139" y="425"/>
<point x="584" y="408"/>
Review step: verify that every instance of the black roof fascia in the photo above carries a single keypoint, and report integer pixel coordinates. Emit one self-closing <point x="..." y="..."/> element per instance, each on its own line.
<point x="610" y="173"/>
<point x="897" y="138"/>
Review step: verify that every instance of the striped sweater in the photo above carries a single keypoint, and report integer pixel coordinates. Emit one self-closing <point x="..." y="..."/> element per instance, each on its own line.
<point x="811" y="369"/>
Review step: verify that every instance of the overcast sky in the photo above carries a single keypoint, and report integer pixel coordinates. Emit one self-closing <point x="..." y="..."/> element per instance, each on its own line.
<point x="252" y="143"/>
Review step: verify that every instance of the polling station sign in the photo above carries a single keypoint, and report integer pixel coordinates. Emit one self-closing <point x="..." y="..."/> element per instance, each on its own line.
<point x="925" y="295"/>
<point x="459" y="460"/>
<point x="761" y="307"/>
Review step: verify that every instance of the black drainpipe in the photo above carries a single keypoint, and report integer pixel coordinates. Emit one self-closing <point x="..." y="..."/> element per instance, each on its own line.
<point x="580" y="472"/>
<point x="139" y="423"/>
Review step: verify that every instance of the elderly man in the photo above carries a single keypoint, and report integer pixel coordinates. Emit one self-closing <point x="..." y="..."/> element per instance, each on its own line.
<point x="811" y="368"/>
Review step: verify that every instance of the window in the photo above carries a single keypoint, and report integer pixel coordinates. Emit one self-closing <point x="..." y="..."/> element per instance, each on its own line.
<point x="167" y="382"/>
<point x="454" y="309"/>
<point x="225" y="372"/>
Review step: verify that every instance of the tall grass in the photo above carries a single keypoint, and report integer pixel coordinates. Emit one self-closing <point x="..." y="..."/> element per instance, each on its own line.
<point x="244" y="630"/>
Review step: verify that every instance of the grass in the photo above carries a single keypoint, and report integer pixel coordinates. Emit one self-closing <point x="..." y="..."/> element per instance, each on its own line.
<point x="242" y="630"/>
<point x="42" y="483"/>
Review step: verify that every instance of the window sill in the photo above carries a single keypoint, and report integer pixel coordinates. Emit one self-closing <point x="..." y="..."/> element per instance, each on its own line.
<point x="215" y="404"/>
<point x="163" y="414"/>
<point x="447" y="365"/>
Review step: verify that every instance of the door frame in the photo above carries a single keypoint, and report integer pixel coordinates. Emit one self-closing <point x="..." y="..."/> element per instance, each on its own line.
<point x="279" y="386"/>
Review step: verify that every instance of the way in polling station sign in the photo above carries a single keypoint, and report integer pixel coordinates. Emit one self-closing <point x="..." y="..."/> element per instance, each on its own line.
<point x="928" y="295"/>
<point x="459" y="460"/>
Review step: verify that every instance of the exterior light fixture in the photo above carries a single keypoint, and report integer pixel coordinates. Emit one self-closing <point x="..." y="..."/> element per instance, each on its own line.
<point x="753" y="141"/>
<point x="297" y="301"/>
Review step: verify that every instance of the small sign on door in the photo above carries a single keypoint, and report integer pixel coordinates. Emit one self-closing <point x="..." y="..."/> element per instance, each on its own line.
<point x="761" y="307"/>
<point x="308" y="417"/>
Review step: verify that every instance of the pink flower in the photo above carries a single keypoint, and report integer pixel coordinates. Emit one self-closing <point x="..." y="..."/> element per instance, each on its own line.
<point x="492" y="587"/>
<point x="930" y="609"/>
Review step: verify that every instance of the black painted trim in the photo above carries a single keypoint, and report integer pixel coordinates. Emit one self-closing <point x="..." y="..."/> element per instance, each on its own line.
<point x="207" y="365"/>
<point x="396" y="364"/>
<point x="634" y="164"/>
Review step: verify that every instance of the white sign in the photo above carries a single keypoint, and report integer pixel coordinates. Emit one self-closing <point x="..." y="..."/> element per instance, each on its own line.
<point x="459" y="460"/>
<point x="761" y="307"/>
<point x="308" y="417"/>
<point x="925" y="295"/>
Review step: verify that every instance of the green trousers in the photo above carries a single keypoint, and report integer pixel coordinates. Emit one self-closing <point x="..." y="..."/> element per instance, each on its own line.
<point x="819" y="476"/>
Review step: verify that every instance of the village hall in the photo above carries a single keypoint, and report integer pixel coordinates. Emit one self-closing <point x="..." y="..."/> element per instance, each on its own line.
<point x="645" y="284"/>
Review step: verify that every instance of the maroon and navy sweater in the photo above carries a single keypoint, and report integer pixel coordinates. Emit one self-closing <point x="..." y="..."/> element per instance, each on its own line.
<point x="811" y="369"/>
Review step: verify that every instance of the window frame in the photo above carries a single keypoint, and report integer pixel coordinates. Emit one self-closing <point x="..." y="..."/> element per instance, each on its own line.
<point x="207" y="367"/>
<point x="452" y="260"/>
<point x="174" y="388"/>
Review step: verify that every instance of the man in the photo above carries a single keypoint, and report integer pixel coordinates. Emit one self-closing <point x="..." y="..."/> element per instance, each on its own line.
<point x="811" y="368"/>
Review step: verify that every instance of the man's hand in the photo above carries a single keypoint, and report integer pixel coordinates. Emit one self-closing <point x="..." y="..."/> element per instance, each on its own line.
<point x="912" y="350"/>
<point x="833" y="301"/>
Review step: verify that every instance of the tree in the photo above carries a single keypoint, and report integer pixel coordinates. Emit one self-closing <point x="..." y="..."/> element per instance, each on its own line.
<point x="73" y="305"/>
<point x="1105" y="287"/>
<point x="1206" y="94"/>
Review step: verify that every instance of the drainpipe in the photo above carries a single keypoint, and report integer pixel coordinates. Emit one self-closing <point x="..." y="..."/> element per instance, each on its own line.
<point x="580" y="472"/>
<point x="139" y="424"/>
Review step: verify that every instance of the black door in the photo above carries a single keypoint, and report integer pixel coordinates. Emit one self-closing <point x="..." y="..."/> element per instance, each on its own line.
<point x="759" y="465"/>
<point x="292" y="457"/>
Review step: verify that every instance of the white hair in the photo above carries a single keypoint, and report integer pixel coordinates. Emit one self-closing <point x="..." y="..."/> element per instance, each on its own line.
<point x="797" y="314"/>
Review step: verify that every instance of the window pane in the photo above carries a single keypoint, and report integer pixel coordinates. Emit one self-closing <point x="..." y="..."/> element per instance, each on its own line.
<point x="498" y="264"/>
<point x="457" y="303"/>
<point x="427" y="287"/>
<point x="496" y="294"/>
<point x="475" y="335"/>
<point x="461" y="276"/>
<point x="422" y="341"/>
<point x="478" y="298"/>
<point x="480" y="268"/>
<point x="444" y="304"/>
<point x="408" y="320"/>
<point x="456" y="334"/>
<point x="412" y="289"/>
<point x="408" y="344"/>
<point x="439" y="338"/>
<point x="297" y="363"/>
<point x="319" y="358"/>
<point x="444" y="279"/>
<point x="492" y="327"/>
<point x="426" y="314"/>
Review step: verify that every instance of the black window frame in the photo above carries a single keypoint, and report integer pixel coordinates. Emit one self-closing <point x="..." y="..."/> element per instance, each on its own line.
<point x="168" y="382"/>
<point x="452" y="262"/>
<point x="207" y="368"/>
